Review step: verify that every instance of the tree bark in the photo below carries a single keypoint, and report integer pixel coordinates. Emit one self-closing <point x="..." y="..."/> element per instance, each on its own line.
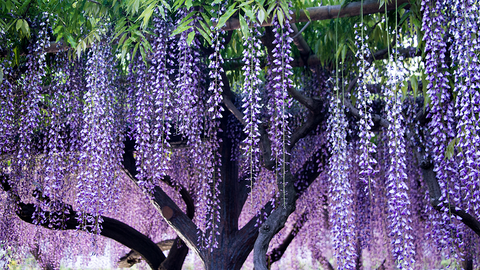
<point x="278" y="252"/>
<point x="275" y="222"/>
<point x="133" y="257"/>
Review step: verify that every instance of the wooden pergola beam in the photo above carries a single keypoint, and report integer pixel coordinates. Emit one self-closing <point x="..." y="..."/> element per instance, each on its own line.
<point x="329" y="12"/>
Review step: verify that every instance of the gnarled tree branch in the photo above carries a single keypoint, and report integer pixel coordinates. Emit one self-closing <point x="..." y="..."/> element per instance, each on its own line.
<point x="111" y="228"/>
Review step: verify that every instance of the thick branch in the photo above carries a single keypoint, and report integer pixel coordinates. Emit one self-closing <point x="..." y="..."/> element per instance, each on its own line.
<point x="133" y="257"/>
<point x="278" y="252"/>
<point x="231" y="107"/>
<point x="377" y="119"/>
<point x="173" y="215"/>
<point x="328" y="12"/>
<point x="276" y="221"/>
<point x="111" y="228"/>
<point x="312" y="122"/>
<point x="177" y="220"/>
<point x="266" y="148"/>
<point x="429" y="176"/>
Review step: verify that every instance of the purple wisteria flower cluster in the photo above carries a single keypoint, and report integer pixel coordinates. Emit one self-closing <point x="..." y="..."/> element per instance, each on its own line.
<point x="30" y="117"/>
<point x="190" y="84"/>
<point x="398" y="198"/>
<point x="154" y="114"/>
<point x="280" y="78"/>
<point x="397" y="190"/>
<point x="442" y="124"/>
<point x="464" y="31"/>
<point x="63" y="143"/>
<point x="342" y="216"/>
<point x="252" y="102"/>
<point x="279" y="99"/>
<point x="211" y="155"/>
<point x="364" y="101"/>
<point x="101" y="152"/>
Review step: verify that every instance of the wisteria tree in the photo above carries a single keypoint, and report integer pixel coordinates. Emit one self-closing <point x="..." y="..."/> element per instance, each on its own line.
<point x="242" y="132"/>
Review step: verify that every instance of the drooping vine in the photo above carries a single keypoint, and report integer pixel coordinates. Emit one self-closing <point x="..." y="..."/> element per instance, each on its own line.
<point x="251" y="102"/>
<point x="101" y="150"/>
<point x="280" y="100"/>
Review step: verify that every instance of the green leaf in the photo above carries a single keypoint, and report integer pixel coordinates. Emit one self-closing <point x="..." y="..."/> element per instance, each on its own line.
<point x="143" y="53"/>
<point x="134" y="52"/>
<point x="344" y="53"/>
<point x="188" y="4"/>
<point x="307" y="13"/>
<point x="450" y="151"/>
<point x="206" y="18"/>
<point x="204" y="35"/>
<point x="339" y="50"/>
<point x="134" y="7"/>
<point x="223" y="19"/>
<point x="25" y="28"/>
<point x="187" y="17"/>
<point x="270" y="8"/>
<point x="182" y="27"/>
<point x="119" y="32"/>
<point x="177" y="4"/>
<point x="261" y="15"/>
<point x="404" y="17"/>
<point x="414" y="83"/>
<point x="249" y="13"/>
<point x="71" y="41"/>
<point x="284" y="7"/>
<point x="243" y="26"/>
<point x="248" y="3"/>
<point x="161" y="8"/>
<point x="1" y="74"/>
<point x="190" y="37"/>
<point x="120" y="42"/>
<point x="147" y="14"/>
<point x="205" y="27"/>
<point x="19" y="24"/>
<point x="280" y="16"/>
<point x="404" y="90"/>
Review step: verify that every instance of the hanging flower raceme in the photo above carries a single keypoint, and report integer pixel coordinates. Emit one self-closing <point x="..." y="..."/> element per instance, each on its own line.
<point x="466" y="62"/>
<point x="62" y="143"/>
<point x="162" y="91"/>
<point x="29" y="116"/>
<point x="212" y="158"/>
<point x="398" y="201"/>
<point x="442" y="124"/>
<point x="397" y="190"/>
<point x="342" y="216"/>
<point x="251" y="101"/>
<point x="101" y="152"/>
<point x="154" y="110"/>
<point x="143" y="124"/>
<point x="280" y="100"/>
<point x="189" y="83"/>
<point x="364" y="101"/>
<point x="7" y="119"/>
